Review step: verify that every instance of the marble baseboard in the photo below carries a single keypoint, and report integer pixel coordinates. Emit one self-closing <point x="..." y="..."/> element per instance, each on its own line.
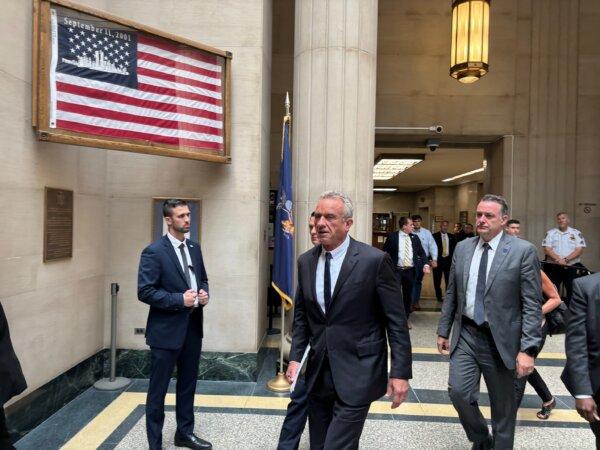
<point x="40" y="404"/>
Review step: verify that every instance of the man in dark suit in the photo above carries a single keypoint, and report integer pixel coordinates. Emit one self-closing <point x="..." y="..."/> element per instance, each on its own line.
<point x="409" y="258"/>
<point x="297" y="410"/>
<point x="12" y="380"/>
<point x="445" y="243"/>
<point x="173" y="281"/>
<point x="582" y="343"/>
<point x="346" y="301"/>
<point x="493" y="305"/>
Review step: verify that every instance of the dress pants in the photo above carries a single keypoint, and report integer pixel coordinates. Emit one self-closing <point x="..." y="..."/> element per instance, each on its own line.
<point x="333" y="424"/>
<point x="474" y="355"/>
<point x="443" y="268"/>
<point x="163" y="361"/>
<point x="295" y="418"/>
<point x="5" y="443"/>
<point x="407" y="280"/>
<point x="416" y="293"/>
<point x="534" y="379"/>
<point x="560" y="275"/>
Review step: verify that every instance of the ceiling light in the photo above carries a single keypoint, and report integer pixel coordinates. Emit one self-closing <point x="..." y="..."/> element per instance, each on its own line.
<point x="470" y="39"/>
<point x="466" y="174"/>
<point x="384" y="189"/>
<point x="388" y="166"/>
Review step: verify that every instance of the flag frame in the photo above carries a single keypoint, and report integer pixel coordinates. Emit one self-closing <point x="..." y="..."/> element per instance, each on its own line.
<point x="40" y="103"/>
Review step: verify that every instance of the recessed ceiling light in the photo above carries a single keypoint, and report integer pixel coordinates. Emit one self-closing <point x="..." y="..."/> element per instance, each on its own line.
<point x="466" y="174"/>
<point x="388" y="166"/>
<point x="385" y="189"/>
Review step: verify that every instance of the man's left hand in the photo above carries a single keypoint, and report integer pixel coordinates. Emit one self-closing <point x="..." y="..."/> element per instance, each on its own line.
<point x="587" y="408"/>
<point x="525" y="364"/>
<point x="433" y="264"/>
<point x="398" y="390"/>
<point x="203" y="297"/>
<point x="426" y="269"/>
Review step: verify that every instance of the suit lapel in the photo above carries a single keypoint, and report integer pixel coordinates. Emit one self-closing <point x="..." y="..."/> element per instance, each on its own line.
<point x="171" y="252"/>
<point x="348" y="264"/>
<point x="467" y="263"/>
<point x="499" y="258"/>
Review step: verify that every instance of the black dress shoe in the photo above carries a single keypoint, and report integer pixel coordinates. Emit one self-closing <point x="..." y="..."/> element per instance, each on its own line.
<point x="488" y="444"/>
<point x="191" y="441"/>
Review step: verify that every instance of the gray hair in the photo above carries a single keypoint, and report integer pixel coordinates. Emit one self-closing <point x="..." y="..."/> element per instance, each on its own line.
<point x="496" y="199"/>
<point x="348" y="207"/>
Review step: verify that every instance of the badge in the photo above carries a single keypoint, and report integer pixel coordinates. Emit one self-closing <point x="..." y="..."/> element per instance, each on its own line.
<point x="572" y="237"/>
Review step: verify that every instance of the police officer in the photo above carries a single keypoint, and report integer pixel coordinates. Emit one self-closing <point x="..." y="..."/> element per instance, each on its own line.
<point x="563" y="247"/>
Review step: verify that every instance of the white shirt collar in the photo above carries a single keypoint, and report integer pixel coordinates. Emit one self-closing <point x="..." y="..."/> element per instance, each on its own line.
<point x="342" y="248"/>
<point x="174" y="241"/>
<point x="493" y="243"/>
<point x="402" y="233"/>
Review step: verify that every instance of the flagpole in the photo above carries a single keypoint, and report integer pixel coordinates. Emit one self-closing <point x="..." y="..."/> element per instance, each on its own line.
<point x="280" y="382"/>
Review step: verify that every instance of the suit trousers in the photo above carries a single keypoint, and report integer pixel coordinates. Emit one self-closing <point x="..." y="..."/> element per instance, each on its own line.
<point x="407" y="280"/>
<point x="163" y="361"/>
<point x="295" y="417"/>
<point x="333" y="424"/>
<point x="443" y="268"/>
<point x="416" y="293"/>
<point x="474" y="355"/>
<point x="5" y="442"/>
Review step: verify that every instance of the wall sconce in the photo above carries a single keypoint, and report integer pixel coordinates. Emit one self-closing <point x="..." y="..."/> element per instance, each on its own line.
<point x="470" y="39"/>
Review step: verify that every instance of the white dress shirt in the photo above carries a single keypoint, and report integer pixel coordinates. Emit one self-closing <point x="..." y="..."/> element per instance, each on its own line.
<point x="337" y="258"/>
<point x="176" y="243"/>
<point x="402" y="236"/>
<point x="564" y="242"/>
<point x="428" y="243"/>
<point x="474" y="272"/>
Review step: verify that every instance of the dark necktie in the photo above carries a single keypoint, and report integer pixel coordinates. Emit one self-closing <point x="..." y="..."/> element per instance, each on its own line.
<point x="479" y="310"/>
<point x="327" y="281"/>
<point x="186" y="267"/>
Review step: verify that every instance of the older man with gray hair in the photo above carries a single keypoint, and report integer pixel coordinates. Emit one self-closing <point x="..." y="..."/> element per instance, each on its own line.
<point x="346" y="304"/>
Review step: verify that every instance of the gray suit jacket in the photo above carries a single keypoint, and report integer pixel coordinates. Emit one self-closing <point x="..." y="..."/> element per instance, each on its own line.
<point x="582" y="343"/>
<point x="513" y="296"/>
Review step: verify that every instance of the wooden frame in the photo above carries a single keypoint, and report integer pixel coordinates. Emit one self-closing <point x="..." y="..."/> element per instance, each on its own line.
<point x="41" y="65"/>
<point x="157" y="220"/>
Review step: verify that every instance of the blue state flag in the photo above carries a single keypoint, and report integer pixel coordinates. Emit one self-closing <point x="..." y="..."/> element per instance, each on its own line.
<point x="283" y="257"/>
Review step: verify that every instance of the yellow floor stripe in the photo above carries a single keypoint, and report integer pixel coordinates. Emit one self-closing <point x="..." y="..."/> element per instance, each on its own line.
<point x="105" y="423"/>
<point x="434" y="351"/>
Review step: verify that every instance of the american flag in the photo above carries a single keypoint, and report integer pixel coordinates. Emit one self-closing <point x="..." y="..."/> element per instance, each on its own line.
<point x="126" y="84"/>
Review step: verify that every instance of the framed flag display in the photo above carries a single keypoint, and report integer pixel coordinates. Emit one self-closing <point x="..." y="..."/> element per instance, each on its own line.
<point x="107" y="82"/>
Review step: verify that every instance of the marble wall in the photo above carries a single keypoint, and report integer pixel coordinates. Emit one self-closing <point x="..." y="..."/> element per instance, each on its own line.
<point x="55" y="310"/>
<point x="59" y="312"/>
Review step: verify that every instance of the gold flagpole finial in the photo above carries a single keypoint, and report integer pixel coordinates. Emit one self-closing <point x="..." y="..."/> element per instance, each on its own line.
<point x="287" y="105"/>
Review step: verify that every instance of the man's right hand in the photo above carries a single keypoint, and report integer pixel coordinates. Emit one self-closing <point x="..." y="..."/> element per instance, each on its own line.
<point x="292" y="370"/>
<point x="189" y="297"/>
<point x="587" y="408"/>
<point x="443" y="345"/>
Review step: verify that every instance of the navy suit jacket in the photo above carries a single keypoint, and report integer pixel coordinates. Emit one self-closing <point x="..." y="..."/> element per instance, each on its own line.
<point x="391" y="248"/>
<point x="161" y="284"/>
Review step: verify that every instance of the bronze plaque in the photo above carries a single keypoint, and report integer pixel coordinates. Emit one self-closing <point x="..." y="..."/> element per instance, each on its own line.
<point x="58" y="224"/>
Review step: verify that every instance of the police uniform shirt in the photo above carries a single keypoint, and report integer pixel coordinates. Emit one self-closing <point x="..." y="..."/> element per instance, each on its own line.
<point x="563" y="243"/>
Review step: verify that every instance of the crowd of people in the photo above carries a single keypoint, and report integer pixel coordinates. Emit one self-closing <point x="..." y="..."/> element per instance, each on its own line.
<point x="496" y="314"/>
<point x="352" y="306"/>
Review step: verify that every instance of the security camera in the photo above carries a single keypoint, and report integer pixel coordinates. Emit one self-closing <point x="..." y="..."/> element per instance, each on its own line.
<point x="437" y="128"/>
<point x="432" y="144"/>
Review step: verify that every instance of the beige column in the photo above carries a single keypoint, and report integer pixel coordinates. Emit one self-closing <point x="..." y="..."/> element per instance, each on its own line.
<point x="334" y="107"/>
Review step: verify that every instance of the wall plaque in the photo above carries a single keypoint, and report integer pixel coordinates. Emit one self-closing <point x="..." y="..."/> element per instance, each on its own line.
<point x="58" y="224"/>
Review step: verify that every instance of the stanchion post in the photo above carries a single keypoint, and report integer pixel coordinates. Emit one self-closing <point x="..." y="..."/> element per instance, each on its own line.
<point x="113" y="383"/>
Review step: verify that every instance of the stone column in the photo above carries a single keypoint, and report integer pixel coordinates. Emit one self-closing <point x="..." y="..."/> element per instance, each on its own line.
<point x="333" y="107"/>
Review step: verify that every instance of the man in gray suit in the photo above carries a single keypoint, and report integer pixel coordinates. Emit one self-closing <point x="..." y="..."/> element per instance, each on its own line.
<point x="493" y="303"/>
<point x="582" y="345"/>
